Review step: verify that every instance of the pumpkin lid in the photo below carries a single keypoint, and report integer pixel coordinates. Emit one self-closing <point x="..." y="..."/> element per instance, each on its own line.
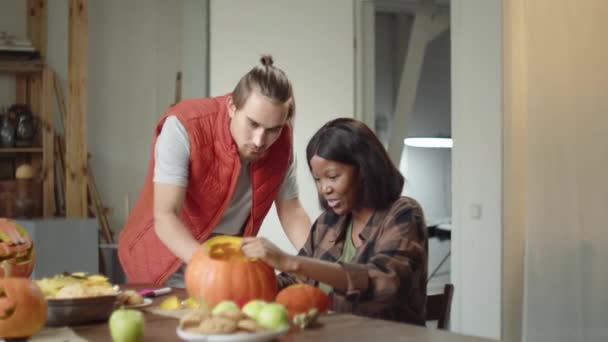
<point x="225" y="247"/>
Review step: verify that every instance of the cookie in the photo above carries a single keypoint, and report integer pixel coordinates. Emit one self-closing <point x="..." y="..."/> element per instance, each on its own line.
<point x="249" y="325"/>
<point x="130" y="297"/>
<point x="215" y="326"/>
<point x="232" y="315"/>
<point x="193" y="318"/>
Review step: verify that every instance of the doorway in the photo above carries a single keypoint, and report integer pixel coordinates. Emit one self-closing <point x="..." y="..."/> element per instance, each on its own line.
<point x="413" y="103"/>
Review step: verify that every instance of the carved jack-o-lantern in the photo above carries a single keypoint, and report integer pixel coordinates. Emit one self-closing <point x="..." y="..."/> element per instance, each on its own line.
<point x="16" y="250"/>
<point x="23" y="308"/>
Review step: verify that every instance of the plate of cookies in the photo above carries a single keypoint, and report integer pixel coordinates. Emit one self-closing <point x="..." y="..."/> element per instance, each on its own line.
<point x="234" y="337"/>
<point x="200" y="325"/>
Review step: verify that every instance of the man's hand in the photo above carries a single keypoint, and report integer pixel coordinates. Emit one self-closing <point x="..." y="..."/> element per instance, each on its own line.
<point x="266" y="251"/>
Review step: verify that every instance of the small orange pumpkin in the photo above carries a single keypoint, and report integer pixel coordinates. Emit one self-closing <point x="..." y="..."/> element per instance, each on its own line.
<point x="219" y="271"/>
<point x="23" y="308"/>
<point x="299" y="298"/>
<point x="18" y="257"/>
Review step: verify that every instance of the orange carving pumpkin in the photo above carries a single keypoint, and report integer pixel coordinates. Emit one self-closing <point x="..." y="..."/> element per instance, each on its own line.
<point x="18" y="257"/>
<point x="22" y="308"/>
<point x="299" y="298"/>
<point x="219" y="271"/>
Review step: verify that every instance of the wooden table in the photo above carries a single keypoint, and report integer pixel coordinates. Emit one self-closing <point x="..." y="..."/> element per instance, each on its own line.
<point x="332" y="327"/>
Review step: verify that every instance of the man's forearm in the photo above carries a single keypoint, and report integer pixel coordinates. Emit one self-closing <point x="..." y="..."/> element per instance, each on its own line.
<point x="296" y="224"/>
<point x="174" y="234"/>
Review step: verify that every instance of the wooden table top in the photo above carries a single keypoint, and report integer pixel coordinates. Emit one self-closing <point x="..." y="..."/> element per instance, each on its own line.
<point x="332" y="327"/>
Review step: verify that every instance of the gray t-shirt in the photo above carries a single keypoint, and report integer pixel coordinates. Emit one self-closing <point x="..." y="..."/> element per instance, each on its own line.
<point x="172" y="155"/>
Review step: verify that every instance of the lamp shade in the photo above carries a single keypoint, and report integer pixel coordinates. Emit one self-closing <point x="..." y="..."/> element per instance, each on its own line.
<point x="428" y="142"/>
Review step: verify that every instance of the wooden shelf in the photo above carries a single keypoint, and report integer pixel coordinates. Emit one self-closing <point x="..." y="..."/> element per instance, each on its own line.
<point x="21" y="66"/>
<point x="20" y="149"/>
<point x="34" y="87"/>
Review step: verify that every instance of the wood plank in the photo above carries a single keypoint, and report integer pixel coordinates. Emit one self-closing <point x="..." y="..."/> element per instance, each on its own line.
<point x="99" y="209"/>
<point x="75" y="127"/>
<point x="21" y="67"/>
<point x="36" y="24"/>
<point x="21" y="150"/>
<point x="59" y="175"/>
<point x="36" y="162"/>
<point x="60" y="160"/>
<point x="60" y="100"/>
<point x="48" y="144"/>
<point x="36" y="21"/>
<point x="34" y="100"/>
<point x="20" y="88"/>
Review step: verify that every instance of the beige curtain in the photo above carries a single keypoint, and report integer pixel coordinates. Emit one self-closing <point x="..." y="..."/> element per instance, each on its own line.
<point x="565" y="274"/>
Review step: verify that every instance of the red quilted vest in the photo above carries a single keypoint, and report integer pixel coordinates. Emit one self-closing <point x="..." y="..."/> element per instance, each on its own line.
<point x="214" y="169"/>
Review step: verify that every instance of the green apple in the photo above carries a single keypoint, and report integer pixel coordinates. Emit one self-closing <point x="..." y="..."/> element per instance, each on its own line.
<point x="273" y="316"/>
<point x="225" y="306"/>
<point x="127" y="325"/>
<point x="253" y="308"/>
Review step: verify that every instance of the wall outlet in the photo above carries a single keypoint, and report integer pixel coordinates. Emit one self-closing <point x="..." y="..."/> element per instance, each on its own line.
<point x="475" y="211"/>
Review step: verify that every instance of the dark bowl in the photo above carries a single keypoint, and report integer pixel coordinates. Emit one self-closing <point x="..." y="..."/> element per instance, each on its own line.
<point x="78" y="311"/>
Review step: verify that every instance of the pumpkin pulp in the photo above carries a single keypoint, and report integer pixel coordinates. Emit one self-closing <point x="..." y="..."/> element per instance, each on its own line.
<point x="225" y="248"/>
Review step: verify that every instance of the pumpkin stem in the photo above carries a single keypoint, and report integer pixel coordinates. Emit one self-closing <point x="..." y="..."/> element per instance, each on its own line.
<point x="6" y="268"/>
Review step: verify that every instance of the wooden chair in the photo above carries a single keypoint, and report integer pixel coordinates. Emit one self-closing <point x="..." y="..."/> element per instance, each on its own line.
<point x="438" y="307"/>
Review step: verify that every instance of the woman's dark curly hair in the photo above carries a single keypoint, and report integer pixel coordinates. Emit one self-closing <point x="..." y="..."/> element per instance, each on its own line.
<point x="351" y="142"/>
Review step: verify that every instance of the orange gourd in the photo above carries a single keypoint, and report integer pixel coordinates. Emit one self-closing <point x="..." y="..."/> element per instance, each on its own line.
<point x="18" y="257"/>
<point x="23" y="308"/>
<point x="299" y="298"/>
<point x="219" y="271"/>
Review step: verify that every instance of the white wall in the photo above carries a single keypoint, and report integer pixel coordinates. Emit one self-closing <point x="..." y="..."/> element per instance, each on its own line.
<point x="195" y="45"/>
<point x="134" y="53"/>
<point x="12" y="21"/>
<point x="477" y="165"/>
<point x="13" y="18"/>
<point x="312" y="41"/>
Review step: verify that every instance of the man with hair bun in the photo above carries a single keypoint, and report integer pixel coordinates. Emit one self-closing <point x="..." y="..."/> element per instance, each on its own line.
<point x="217" y="165"/>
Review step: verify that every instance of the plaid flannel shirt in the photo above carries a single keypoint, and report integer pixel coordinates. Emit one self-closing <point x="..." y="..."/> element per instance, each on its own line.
<point x="387" y="275"/>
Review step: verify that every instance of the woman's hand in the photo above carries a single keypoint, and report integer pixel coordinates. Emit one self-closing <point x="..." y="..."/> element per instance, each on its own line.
<point x="256" y="247"/>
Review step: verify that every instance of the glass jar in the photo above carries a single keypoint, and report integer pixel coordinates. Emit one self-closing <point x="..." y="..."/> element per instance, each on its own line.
<point x="7" y="132"/>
